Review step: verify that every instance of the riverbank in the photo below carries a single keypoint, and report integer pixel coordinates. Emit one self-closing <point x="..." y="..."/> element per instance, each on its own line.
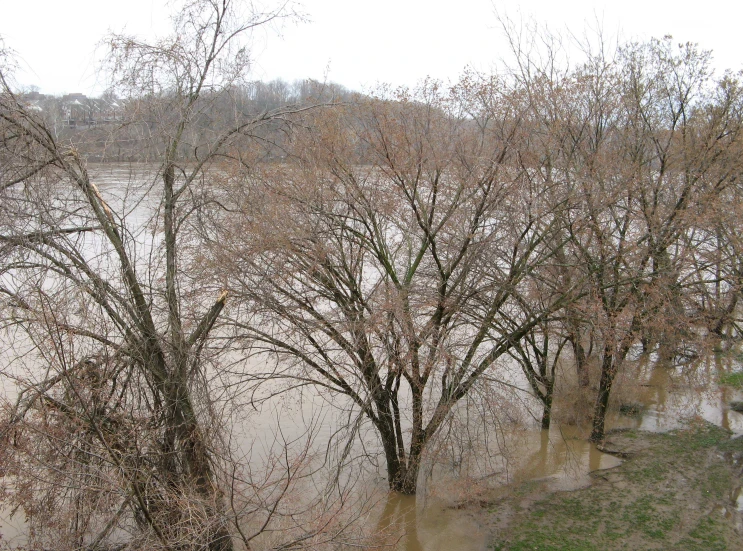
<point x="678" y="490"/>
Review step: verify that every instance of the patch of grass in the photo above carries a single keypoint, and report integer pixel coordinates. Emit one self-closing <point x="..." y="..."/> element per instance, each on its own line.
<point x="653" y="471"/>
<point x="697" y="437"/>
<point x="573" y="507"/>
<point x="734" y="379"/>
<point x="718" y="481"/>
<point x="704" y="537"/>
<point x="644" y="505"/>
<point x="527" y="487"/>
<point x="732" y="445"/>
<point x="580" y="523"/>
<point x="549" y="540"/>
<point x="643" y="515"/>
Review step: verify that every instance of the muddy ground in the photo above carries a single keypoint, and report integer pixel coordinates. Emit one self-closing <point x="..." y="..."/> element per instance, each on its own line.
<point x="674" y="491"/>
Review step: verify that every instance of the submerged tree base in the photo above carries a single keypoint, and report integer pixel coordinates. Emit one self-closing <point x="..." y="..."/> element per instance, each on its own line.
<point x="676" y="491"/>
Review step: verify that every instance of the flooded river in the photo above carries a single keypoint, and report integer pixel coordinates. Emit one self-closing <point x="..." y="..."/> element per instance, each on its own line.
<point x="650" y="395"/>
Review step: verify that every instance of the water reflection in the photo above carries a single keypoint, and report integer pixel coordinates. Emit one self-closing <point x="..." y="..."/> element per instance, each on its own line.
<point x="563" y="457"/>
<point x="400" y="517"/>
<point x="411" y="527"/>
<point x="666" y="397"/>
<point x="671" y="396"/>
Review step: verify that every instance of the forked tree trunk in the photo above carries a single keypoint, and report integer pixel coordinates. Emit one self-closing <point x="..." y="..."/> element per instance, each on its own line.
<point x="184" y="434"/>
<point x="402" y="467"/>
<point x="408" y="483"/>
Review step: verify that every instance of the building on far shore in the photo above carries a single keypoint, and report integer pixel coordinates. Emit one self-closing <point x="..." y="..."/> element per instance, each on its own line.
<point x="75" y="110"/>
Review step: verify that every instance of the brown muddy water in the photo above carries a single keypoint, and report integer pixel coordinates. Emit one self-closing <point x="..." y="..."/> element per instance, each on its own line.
<point x="653" y="396"/>
<point x="650" y="396"/>
<point x="434" y="521"/>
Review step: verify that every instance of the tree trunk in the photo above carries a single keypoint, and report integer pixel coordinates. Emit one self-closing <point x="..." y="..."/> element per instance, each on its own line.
<point x="547" y="411"/>
<point x="189" y="444"/>
<point x="608" y="371"/>
<point x="724" y="317"/>
<point x="402" y="470"/>
<point x="579" y="353"/>
<point x="408" y="483"/>
<point x="394" y="467"/>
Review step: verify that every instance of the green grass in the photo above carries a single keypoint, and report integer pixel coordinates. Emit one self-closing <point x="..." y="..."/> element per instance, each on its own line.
<point x="706" y="536"/>
<point x="732" y="445"/>
<point x="718" y="483"/>
<point x="540" y="540"/>
<point x="647" y="515"/>
<point x="632" y="433"/>
<point x="654" y="515"/>
<point x="651" y="472"/>
<point x="734" y="379"/>
<point x="697" y="437"/>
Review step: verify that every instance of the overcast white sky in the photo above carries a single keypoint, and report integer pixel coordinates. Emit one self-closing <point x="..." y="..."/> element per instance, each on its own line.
<point x="356" y="43"/>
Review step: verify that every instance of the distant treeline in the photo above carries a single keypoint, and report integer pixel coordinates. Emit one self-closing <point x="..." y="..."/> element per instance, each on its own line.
<point x="115" y="129"/>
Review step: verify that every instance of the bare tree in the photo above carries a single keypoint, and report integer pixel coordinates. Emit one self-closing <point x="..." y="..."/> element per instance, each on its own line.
<point x="375" y="264"/>
<point x="117" y="434"/>
<point x="650" y="155"/>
